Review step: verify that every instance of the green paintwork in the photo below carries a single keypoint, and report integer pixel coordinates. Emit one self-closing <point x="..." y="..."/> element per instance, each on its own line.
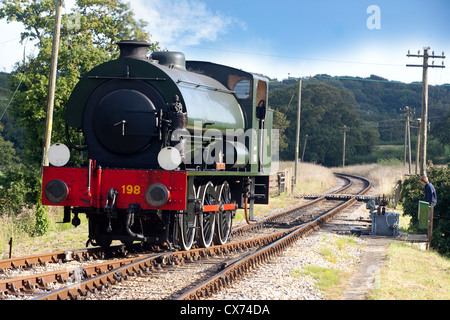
<point x="205" y="93"/>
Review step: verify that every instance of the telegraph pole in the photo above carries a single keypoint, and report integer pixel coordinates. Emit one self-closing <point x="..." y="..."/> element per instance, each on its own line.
<point x="418" y="146"/>
<point x="424" y="118"/>
<point x="297" y="142"/>
<point x="407" y="137"/>
<point x="52" y="81"/>
<point x="304" y="147"/>
<point x="345" y="129"/>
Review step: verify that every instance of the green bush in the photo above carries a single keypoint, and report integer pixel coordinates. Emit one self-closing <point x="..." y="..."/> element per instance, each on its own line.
<point x="413" y="191"/>
<point x="20" y="189"/>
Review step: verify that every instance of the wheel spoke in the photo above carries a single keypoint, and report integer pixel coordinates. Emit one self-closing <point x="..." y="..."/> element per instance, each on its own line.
<point x="224" y="218"/>
<point x="187" y="234"/>
<point x="207" y="195"/>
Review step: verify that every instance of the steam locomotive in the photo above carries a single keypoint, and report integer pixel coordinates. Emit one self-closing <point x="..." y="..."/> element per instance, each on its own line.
<point x="174" y="148"/>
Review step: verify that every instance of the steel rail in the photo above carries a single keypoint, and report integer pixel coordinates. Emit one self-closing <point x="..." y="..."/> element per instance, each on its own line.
<point x="99" y="276"/>
<point x="225" y="277"/>
<point x="245" y="227"/>
<point x="29" y="283"/>
<point x="147" y="263"/>
<point x="28" y="262"/>
<point x="231" y="273"/>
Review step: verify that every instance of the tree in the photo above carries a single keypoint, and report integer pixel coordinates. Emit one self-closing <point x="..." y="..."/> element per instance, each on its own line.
<point x="88" y="37"/>
<point x="7" y="153"/>
<point x="325" y="110"/>
<point x="281" y="123"/>
<point x="413" y="191"/>
<point x="441" y="129"/>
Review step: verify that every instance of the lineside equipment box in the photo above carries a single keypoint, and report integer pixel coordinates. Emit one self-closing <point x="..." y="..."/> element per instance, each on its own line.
<point x="385" y="223"/>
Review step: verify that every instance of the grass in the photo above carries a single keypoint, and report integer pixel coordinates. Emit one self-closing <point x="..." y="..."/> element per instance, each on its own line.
<point x="413" y="274"/>
<point x="385" y="174"/>
<point x="332" y="280"/>
<point x="60" y="236"/>
<point x="335" y="249"/>
<point x="311" y="179"/>
<point x="326" y="278"/>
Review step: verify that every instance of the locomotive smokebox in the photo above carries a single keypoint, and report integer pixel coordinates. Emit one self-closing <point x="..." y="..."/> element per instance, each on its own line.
<point x="133" y="49"/>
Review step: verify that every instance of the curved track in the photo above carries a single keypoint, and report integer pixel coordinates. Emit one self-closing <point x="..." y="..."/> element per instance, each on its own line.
<point x="244" y="265"/>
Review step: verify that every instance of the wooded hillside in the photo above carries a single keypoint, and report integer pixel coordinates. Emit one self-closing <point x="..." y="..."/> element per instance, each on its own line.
<point x="369" y="106"/>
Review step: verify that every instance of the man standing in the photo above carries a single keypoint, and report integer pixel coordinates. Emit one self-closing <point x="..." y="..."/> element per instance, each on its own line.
<point x="431" y="198"/>
<point x="430" y="192"/>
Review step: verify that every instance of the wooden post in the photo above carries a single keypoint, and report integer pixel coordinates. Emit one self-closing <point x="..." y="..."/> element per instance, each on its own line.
<point x="345" y="129"/>
<point x="430" y="226"/>
<point x="418" y="147"/>
<point x="10" y="247"/>
<point x="52" y="81"/>
<point x="409" y="141"/>
<point x="423" y="124"/>
<point x="297" y="141"/>
<point x="304" y="147"/>
<point x="407" y="144"/>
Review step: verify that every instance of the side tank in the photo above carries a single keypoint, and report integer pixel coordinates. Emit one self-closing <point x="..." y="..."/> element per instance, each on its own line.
<point x="207" y="101"/>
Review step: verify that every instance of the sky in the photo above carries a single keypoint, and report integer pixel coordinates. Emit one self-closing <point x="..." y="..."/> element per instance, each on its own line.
<point x="296" y="38"/>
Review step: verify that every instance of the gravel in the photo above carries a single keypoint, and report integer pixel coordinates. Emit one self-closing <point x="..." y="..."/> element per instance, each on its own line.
<point x="284" y="279"/>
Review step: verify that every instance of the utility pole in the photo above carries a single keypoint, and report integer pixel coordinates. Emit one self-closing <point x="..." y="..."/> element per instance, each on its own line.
<point x="304" y="147"/>
<point x="52" y="81"/>
<point x="345" y="129"/>
<point x="407" y="137"/>
<point x="297" y="142"/>
<point x="424" y="118"/>
<point x="418" y="146"/>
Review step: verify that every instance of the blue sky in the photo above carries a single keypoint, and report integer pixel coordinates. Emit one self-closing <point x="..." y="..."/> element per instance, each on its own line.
<point x="297" y="38"/>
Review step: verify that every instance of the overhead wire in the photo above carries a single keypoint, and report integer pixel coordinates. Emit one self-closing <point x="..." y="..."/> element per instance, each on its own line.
<point x="23" y="74"/>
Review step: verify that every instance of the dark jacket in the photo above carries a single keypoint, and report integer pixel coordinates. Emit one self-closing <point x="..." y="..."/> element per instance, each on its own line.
<point x="430" y="194"/>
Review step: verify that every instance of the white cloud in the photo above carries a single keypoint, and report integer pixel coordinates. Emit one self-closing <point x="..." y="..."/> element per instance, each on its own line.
<point x="183" y="22"/>
<point x="10" y="49"/>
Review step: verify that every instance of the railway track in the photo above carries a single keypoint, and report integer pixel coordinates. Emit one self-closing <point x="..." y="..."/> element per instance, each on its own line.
<point x="221" y="264"/>
<point x="224" y="278"/>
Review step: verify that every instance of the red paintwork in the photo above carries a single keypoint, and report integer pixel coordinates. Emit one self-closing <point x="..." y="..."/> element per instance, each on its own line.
<point x="229" y="206"/>
<point x="130" y="183"/>
<point x="211" y="208"/>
